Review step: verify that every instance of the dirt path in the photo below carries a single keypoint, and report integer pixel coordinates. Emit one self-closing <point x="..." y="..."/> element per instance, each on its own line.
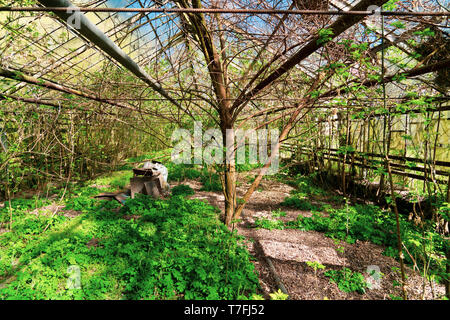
<point x="288" y="250"/>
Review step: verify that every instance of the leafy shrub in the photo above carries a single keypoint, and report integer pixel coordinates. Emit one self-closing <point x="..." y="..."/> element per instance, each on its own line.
<point x="178" y="249"/>
<point x="269" y="224"/>
<point x="347" y="280"/>
<point x="247" y="167"/>
<point x="211" y="181"/>
<point x="299" y="203"/>
<point x="278" y="295"/>
<point x="182" y="190"/>
<point x="306" y="186"/>
<point x="371" y="223"/>
<point x="198" y="267"/>
<point x="81" y="203"/>
<point x="180" y="172"/>
<point x="444" y="210"/>
<point x="315" y="265"/>
<point x="278" y="213"/>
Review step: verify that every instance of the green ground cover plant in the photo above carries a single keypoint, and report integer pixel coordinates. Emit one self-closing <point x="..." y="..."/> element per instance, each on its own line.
<point x="117" y="180"/>
<point x="211" y="181"/>
<point x="297" y="201"/>
<point x="269" y="224"/>
<point x="347" y="280"/>
<point x="182" y="190"/>
<point x="174" y="249"/>
<point x="424" y="247"/>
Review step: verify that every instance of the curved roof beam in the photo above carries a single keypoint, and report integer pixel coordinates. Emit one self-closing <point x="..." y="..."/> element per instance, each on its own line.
<point x="97" y="37"/>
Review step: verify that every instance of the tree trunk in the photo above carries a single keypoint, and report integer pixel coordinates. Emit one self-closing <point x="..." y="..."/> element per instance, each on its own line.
<point x="218" y="77"/>
<point x="229" y="180"/>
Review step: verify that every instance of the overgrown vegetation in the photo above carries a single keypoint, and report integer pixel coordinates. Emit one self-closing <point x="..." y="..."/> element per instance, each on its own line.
<point x="347" y="280"/>
<point x="170" y="249"/>
<point x="183" y="190"/>
<point x="425" y="247"/>
<point x="362" y="99"/>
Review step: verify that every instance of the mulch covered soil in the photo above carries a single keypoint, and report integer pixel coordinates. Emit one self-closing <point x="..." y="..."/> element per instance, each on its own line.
<point x="288" y="250"/>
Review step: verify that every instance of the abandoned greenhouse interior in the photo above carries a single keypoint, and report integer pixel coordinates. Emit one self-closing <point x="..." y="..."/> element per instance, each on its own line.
<point x="224" y="150"/>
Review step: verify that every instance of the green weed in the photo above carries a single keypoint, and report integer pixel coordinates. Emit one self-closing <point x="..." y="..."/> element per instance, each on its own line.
<point x="177" y="249"/>
<point x="347" y="280"/>
<point x="183" y="190"/>
<point x="269" y="224"/>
